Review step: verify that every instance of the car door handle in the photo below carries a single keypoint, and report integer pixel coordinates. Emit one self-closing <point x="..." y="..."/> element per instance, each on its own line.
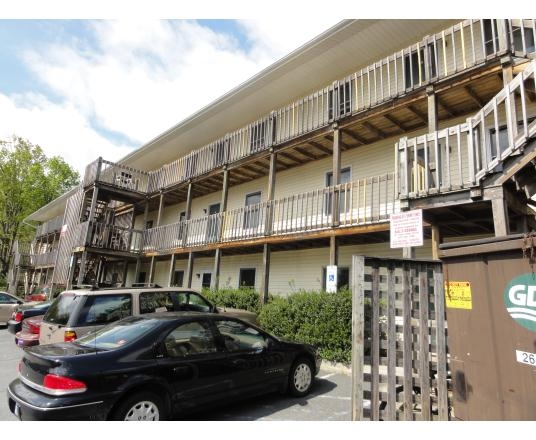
<point x="238" y="362"/>
<point x="181" y="369"/>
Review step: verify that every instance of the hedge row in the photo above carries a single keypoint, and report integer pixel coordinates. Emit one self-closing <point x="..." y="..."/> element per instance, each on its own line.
<point x="318" y="318"/>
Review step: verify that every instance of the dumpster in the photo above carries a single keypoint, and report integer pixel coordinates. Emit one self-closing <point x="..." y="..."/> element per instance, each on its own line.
<point x="490" y="298"/>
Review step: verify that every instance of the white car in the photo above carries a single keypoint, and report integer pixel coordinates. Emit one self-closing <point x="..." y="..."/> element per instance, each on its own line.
<point x="8" y="302"/>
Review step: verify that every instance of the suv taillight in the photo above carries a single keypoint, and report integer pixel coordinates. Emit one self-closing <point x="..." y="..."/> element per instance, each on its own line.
<point x="69" y="336"/>
<point x="60" y="385"/>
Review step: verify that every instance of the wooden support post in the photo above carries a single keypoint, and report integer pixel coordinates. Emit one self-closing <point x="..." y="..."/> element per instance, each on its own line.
<point x="265" y="288"/>
<point x="152" y="267"/>
<point x="73" y="262"/>
<point x="215" y="279"/>
<point x="125" y="272"/>
<point x="333" y="251"/>
<point x="336" y="169"/>
<point x="190" y="270"/>
<point x="137" y="270"/>
<point x="171" y="269"/>
<point x="436" y="241"/>
<point x="432" y="109"/>
<point x="189" y="201"/>
<point x="500" y="216"/>
<point x="160" y="207"/>
<point x="225" y="190"/>
<point x="271" y="191"/>
<point x="83" y="261"/>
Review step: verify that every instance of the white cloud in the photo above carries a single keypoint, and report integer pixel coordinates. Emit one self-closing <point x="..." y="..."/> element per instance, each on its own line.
<point x="136" y="79"/>
<point x="59" y="130"/>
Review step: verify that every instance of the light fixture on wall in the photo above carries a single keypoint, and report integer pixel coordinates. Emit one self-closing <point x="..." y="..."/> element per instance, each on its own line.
<point x="198" y="275"/>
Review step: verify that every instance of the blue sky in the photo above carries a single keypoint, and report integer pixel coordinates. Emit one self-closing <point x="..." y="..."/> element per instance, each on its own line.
<point x="87" y="88"/>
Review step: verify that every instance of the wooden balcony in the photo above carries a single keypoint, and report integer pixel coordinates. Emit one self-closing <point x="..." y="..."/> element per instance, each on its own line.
<point x="101" y="236"/>
<point x="459" y="157"/>
<point x="363" y="202"/>
<point x="461" y="49"/>
<point x="49" y="227"/>
<point x="43" y="260"/>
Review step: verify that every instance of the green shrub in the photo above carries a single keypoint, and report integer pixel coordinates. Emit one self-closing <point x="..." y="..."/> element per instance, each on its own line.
<point x="318" y="318"/>
<point x="247" y="299"/>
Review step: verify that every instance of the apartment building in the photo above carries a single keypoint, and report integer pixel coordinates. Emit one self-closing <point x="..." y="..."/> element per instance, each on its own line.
<point x="302" y="166"/>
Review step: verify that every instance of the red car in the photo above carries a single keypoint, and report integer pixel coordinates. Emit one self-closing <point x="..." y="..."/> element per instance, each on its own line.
<point x="29" y="335"/>
<point x="40" y="293"/>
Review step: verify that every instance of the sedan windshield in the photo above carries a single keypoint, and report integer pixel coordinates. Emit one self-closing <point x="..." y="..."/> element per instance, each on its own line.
<point x="119" y="334"/>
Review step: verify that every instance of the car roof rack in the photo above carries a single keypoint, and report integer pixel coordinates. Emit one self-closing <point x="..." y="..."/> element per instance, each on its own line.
<point x="142" y="285"/>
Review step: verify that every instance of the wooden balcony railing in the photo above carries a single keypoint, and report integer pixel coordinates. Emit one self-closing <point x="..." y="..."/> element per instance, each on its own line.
<point x="116" y="175"/>
<point x="365" y="201"/>
<point x="45" y="259"/>
<point x="460" y="156"/>
<point x="50" y="226"/>
<point x="459" y="48"/>
<point x="113" y="237"/>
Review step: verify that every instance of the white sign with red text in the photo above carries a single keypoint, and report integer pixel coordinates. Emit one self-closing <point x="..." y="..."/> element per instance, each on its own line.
<point x="406" y="229"/>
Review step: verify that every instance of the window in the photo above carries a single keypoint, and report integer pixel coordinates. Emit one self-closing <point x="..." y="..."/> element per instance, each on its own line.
<point x="218" y="152"/>
<point x="262" y="134"/>
<point x="190" y="339"/>
<point x="252" y="210"/>
<point x="178" y="278"/>
<point x="343" y="202"/>
<point x="340" y="100"/>
<point x="246" y="278"/>
<point x="343" y="277"/>
<point x="6" y="299"/>
<point x="103" y="309"/>
<point x="491" y="36"/>
<point x="151" y="302"/>
<point x="206" y="279"/>
<point x="156" y="302"/>
<point x="213" y="223"/>
<point x="415" y="66"/>
<point x="238" y="336"/>
<point x="523" y="39"/>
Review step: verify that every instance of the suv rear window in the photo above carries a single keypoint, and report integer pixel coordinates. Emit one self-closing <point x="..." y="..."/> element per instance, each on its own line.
<point x="103" y="309"/>
<point x="60" y="310"/>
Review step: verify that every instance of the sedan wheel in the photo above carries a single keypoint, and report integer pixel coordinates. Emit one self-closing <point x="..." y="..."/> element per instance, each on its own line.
<point x="140" y="407"/>
<point x="143" y="411"/>
<point x="301" y="378"/>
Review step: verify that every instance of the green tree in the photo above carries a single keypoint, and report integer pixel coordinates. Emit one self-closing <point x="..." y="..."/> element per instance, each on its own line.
<point x="28" y="180"/>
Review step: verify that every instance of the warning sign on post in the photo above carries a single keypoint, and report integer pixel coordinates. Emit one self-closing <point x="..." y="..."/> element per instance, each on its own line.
<point x="458" y="295"/>
<point x="406" y="229"/>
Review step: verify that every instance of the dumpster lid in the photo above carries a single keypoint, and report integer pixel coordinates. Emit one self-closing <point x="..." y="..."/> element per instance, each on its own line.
<point x="487" y="245"/>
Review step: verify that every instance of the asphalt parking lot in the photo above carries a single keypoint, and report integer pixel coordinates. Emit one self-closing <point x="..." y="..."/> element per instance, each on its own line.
<point x="329" y="399"/>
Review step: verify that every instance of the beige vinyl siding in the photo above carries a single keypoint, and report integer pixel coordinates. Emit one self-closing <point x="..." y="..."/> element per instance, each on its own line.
<point x="290" y="271"/>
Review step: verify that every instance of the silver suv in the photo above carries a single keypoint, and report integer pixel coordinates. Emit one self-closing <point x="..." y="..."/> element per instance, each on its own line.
<point x="75" y="313"/>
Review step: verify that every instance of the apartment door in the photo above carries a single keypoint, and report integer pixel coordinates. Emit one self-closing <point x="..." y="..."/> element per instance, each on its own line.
<point x="213" y="223"/>
<point x="252" y="210"/>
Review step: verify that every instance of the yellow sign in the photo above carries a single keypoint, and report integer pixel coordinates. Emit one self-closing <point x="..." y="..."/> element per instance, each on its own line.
<point x="458" y="295"/>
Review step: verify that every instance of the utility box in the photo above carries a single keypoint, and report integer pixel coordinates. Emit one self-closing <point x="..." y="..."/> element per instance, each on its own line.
<point x="490" y="295"/>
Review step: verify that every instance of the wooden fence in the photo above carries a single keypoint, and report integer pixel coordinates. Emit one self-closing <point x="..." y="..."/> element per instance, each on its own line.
<point x="399" y="352"/>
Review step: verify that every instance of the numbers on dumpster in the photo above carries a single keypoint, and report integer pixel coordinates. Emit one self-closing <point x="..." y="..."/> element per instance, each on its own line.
<point x="524" y="357"/>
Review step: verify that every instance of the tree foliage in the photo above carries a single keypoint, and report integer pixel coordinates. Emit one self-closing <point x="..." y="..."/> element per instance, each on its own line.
<point x="28" y="181"/>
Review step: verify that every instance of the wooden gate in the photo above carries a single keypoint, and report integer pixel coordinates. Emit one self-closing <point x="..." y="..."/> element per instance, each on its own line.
<point x="399" y="354"/>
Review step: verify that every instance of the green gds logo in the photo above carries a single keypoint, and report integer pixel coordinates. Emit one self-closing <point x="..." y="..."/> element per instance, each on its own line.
<point x="520" y="300"/>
